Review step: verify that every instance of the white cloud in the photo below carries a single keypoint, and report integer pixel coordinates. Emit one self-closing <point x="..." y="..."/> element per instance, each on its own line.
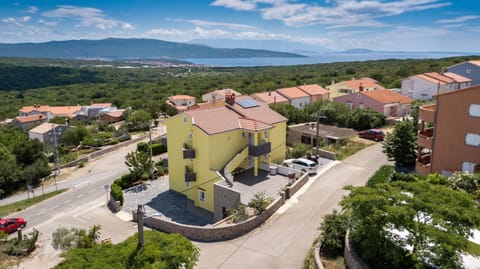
<point x="87" y="17"/>
<point x="48" y="23"/>
<point x="235" y="4"/>
<point x="220" y="24"/>
<point x="32" y="9"/>
<point x="17" y="21"/>
<point x="458" y="19"/>
<point x="338" y="13"/>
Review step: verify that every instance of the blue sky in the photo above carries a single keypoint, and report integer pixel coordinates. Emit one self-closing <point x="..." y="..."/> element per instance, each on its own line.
<point x="408" y="25"/>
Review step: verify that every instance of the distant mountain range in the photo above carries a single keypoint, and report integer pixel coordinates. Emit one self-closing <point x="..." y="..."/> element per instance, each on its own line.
<point x="276" y="45"/>
<point x="129" y="48"/>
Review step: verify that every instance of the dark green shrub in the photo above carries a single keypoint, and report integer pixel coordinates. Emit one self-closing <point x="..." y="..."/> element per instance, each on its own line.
<point x="142" y="147"/>
<point x="23" y="247"/>
<point x="403" y="177"/>
<point x="127" y="180"/>
<point x="158" y="149"/>
<point x="116" y="192"/>
<point x="382" y="175"/>
<point x="239" y="214"/>
<point x="260" y="202"/>
<point x="333" y="231"/>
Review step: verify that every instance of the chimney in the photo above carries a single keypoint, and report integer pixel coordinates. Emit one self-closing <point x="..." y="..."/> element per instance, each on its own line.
<point x="360" y="88"/>
<point x="230" y="98"/>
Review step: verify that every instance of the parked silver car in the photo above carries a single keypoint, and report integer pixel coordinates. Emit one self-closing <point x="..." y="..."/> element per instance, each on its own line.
<point x="301" y="164"/>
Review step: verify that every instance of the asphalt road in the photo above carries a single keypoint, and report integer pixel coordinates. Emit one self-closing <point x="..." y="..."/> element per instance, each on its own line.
<point x="286" y="237"/>
<point x="280" y="243"/>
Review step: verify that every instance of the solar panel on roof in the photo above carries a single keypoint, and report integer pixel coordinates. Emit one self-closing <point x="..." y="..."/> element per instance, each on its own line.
<point x="247" y="103"/>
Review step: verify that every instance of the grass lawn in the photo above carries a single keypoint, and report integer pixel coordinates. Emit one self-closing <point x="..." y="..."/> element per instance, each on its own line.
<point x="344" y="150"/>
<point x="21" y="205"/>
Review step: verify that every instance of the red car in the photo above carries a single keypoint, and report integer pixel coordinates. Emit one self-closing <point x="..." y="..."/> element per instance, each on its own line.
<point x="373" y="134"/>
<point x="11" y="225"/>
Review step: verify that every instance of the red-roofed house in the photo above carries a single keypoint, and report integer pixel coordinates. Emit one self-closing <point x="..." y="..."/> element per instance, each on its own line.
<point x="113" y="116"/>
<point x="387" y="102"/>
<point x="270" y="97"/>
<point x="424" y="86"/>
<point x="181" y="102"/>
<point x="315" y="91"/>
<point x="26" y="122"/>
<point x="50" y="111"/>
<point x="218" y="95"/>
<point x="354" y="85"/>
<point x="295" y="96"/>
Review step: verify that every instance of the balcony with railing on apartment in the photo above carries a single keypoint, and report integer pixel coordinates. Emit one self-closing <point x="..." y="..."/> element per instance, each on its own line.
<point x="423" y="164"/>
<point x="188" y="152"/>
<point x="261" y="149"/>
<point x="425" y="138"/>
<point x="427" y="113"/>
<point x="190" y="175"/>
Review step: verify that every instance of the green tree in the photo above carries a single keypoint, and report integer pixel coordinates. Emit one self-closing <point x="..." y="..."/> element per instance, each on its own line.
<point x="139" y="120"/>
<point x="332" y="233"/>
<point x="73" y="136"/>
<point x="139" y="164"/>
<point x="401" y="144"/>
<point x="260" y="202"/>
<point x="68" y="238"/>
<point x="405" y="224"/>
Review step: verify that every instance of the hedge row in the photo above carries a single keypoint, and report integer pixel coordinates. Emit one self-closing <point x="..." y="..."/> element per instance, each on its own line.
<point x="382" y="175"/>
<point x="116" y="192"/>
<point x="157" y="148"/>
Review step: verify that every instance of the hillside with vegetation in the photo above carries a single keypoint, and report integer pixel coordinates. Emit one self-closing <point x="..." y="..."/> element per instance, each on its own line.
<point x="147" y="88"/>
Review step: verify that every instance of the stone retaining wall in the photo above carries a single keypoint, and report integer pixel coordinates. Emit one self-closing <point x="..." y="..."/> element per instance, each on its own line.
<point x="352" y="259"/>
<point x="292" y="189"/>
<point x="102" y="152"/>
<point x="210" y="233"/>
<point x="327" y="154"/>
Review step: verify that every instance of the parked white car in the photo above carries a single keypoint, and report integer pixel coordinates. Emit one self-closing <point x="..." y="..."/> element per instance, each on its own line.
<point x="301" y="164"/>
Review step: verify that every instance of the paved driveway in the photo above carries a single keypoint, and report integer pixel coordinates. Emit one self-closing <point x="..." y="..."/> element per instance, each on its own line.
<point x="284" y="240"/>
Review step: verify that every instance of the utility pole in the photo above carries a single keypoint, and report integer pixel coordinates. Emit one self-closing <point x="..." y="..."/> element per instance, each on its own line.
<point x="141" y="241"/>
<point x="318" y="115"/>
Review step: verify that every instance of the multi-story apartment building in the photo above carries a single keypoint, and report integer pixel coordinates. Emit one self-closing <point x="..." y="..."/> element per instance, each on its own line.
<point x="425" y="86"/>
<point x="449" y="135"/>
<point x="206" y="145"/>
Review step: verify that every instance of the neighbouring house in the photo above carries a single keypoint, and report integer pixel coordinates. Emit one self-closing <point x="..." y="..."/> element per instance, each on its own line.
<point x="50" y="111"/>
<point x="96" y="109"/>
<point x="218" y="95"/>
<point x="354" y="85"/>
<point x="315" y="91"/>
<point x="27" y="122"/>
<point x="469" y="69"/>
<point x="387" y="102"/>
<point x="424" y="86"/>
<point x="181" y="102"/>
<point x="113" y="116"/>
<point x="295" y="97"/>
<point x="49" y="134"/>
<point x="449" y="134"/>
<point x="306" y="133"/>
<point x="207" y="145"/>
<point x="270" y="97"/>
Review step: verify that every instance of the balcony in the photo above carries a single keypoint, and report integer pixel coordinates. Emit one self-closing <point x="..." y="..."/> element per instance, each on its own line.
<point x="190" y="175"/>
<point x="427" y="113"/>
<point x="425" y="138"/>
<point x="188" y="153"/>
<point x="423" y="165"/>
<point x="259" y="150"/>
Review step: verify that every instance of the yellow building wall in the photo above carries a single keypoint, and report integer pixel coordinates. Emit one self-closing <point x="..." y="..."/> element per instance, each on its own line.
<point x="212" y="153"/>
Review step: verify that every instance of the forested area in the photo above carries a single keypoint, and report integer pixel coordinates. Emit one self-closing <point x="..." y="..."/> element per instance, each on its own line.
<point x="146" y="88"/>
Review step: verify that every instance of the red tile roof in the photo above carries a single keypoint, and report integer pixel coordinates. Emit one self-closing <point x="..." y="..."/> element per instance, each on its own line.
<point x="66" y="111"/>
<point x="269" y="97"/>
<point x="313" y="89"/>
<point x="475" y="62"/>
<point x="214" y="120"/>
<point x="44" y="128"/>
<point x="181" y="97"/>
<point x="440" y="77"/>
<point x="443" y="79"/>
<point x="101" y="105"/>
<point x="115" y="113"/>
<point x="365" y="82"/>
<point x="457" y="78"/>
<point x="292" y="93"/>
<point x="31" y="118"/>
<point x="387" y="96"/>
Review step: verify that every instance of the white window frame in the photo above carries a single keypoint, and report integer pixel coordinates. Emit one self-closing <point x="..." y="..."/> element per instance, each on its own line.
<point x="472" y="139"/>
<point x="349" y="105"/>
<point x="202" y="195"/>
<point x="474" y="110"/>
<point x="361" y="106"/>
<point x="468" y="167"/>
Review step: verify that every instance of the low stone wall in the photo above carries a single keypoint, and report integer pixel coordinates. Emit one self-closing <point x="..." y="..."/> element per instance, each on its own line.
<point x="292" y="189"/>
<point x="318" y="260"/>
<point x="352" y="259"/>
<point x="210" y="233"/>
<point x="114" y="205"/>
<point x="327" y="154"/>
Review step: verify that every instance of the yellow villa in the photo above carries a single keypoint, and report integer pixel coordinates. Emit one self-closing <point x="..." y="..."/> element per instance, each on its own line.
<point x="207" y="145"/>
